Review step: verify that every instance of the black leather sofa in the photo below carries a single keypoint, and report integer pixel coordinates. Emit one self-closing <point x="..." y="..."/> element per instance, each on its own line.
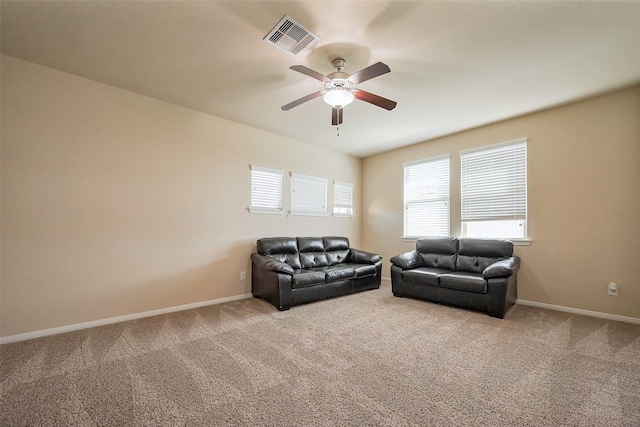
<point x="288" y="271"/>
<point x="479" y="274"/>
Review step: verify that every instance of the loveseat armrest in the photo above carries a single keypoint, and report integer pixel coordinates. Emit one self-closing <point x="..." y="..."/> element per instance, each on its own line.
<point x="362" y="257"/>
<point x="270" y="264"/>
<point x="503" y="268"/>
<point x="407" y="260"/>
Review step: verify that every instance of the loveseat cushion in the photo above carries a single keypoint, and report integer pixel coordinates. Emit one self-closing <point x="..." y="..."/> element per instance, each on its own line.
<point x="464" y="281"/>
<point x="438" y="252"/>
<point x="475" y="255"/>
<point x="283" y="249"/>
<point x="426" y="276"/>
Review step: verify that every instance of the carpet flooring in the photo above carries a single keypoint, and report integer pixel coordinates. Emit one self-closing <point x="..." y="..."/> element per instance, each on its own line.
<point x="368" y="359"/>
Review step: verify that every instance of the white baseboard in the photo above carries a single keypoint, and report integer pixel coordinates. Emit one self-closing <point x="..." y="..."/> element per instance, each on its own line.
<point x="386" y="281"/>
<point x="580" y="311"/>
<point x="118" y="319"/>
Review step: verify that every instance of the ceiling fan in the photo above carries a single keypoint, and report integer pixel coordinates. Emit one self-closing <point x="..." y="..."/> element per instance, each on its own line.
<point x="340" y="88"/>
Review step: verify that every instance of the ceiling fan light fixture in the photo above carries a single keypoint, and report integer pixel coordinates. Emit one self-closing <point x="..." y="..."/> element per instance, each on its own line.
<point x="338" y="97"/>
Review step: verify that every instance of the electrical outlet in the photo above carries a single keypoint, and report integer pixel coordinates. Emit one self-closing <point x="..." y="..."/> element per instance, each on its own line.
<point x="612" y="288"/>
<point x="243" y="275"/>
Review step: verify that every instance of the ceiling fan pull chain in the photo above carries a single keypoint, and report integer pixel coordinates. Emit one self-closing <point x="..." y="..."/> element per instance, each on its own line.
<point x="338" y="130"/>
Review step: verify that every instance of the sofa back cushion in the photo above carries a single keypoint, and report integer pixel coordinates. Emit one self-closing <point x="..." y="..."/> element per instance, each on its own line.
<point x="336" y="248"/>
<point x="474" y="255"/>
<point x="438" y="252"/>
<point x="312" y="253"/>
<point x="283" y="249"/>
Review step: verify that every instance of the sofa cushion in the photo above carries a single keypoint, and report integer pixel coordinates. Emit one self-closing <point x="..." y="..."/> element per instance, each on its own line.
<point x="302" y="278"/>
<point x="426" y="276"/>
<point x="283" y="249"/>
<point x="438" y="252"/>
<point x="312" y="252"/>
<point x="464" y="281"/>
<point x="337" y="256"/>
<point x="335" y="274"/>
<point x="310" y="244"/>
<point x="291" y="259"/>
<point x="313" y="259"/>
<point x="361" y="270"/>
<point x="334" y="243"/>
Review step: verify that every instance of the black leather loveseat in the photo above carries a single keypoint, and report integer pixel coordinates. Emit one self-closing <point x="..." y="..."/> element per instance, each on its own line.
<point x="479" y="274"/>
<point x="288" y="271"/>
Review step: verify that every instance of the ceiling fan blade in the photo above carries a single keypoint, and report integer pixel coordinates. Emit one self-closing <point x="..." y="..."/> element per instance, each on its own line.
<point x="309" y="72"/>
<point x="369" y="97"/>
<point x="336" y="116"/>
<point x="368" y="73"/>
<point x="302" y="100"/>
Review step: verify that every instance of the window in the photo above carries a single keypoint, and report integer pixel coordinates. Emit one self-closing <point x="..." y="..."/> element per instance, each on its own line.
<point x="494" y="191"/>
<point x="308" y="195"/>
<point x="426" y="197"/>
<point x="342" y="199"/>
<point x="266" y="190"/>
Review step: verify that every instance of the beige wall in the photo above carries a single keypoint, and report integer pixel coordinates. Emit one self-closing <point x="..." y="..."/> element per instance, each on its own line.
<point x="114" y="203"/>
<point x="583" y="195"/>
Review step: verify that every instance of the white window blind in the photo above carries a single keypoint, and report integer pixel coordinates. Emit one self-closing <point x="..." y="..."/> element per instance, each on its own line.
<point x="494" y="190"/>
<point x="426" y="197"/>
<point x="266" y="190"/>
<point x="308" y="195"/>
<point x="342" y="199"/>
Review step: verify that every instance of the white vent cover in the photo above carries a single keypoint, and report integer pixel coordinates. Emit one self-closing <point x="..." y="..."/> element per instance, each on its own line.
<point x="291" y="36"/>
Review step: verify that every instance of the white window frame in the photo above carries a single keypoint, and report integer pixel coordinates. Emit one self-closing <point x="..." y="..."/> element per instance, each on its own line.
<point x="266" y="190"/>
<point x="432" y="196"/>
<point x="308" y="195"/>
<point x="493" y="181"/>
<point x="342" y="199"/>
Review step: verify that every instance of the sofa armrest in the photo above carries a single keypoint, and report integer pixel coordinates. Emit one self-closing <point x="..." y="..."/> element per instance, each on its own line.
<point x="362" y="257"/>
<point x="270" y="264"/>
<point x="503" y="268"/>
<point x="407" y="261"/>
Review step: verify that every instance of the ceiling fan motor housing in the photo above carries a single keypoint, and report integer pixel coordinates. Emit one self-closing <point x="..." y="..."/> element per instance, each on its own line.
<point x="339" y="64"/>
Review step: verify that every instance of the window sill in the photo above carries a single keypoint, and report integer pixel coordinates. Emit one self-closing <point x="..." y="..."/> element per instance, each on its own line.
<point x="266" y="211"/>
<point x="516" y="242"/>
<point x="307" y="213"/>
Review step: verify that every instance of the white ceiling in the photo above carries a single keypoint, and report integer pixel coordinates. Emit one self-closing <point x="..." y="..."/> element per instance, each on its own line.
<point x="454" y="65"/>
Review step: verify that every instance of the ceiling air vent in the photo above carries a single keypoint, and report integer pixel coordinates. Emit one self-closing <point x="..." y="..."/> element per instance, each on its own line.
<point x="290" y="36"/>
